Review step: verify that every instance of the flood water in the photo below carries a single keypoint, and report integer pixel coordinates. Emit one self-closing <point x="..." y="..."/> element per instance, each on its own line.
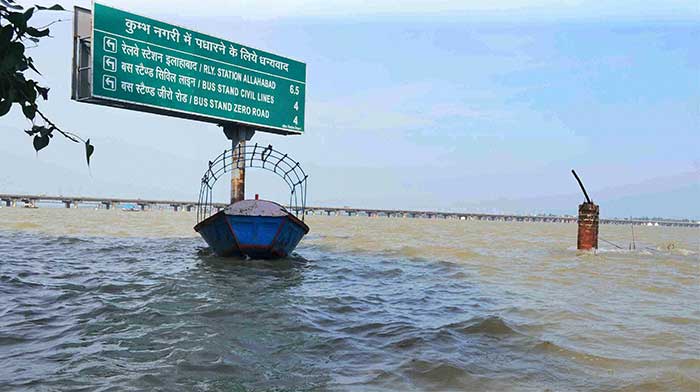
<point x="113" y="300"/>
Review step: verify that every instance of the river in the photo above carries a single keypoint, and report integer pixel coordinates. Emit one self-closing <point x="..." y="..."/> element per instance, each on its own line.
<point x="114" y="300"/>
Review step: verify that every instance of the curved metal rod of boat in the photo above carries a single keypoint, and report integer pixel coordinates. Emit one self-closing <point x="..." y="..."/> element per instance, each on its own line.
<point x="254" y="157"/>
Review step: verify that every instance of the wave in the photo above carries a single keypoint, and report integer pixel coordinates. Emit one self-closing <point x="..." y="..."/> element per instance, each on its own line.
<point x="663" y="381"/>
<point x="12" y="340"/>
<point x="343" y="244"/>
<point x="451" y="253"/>
<point x="679" y="320"/>
<point x="439" y="375"/>
<point x="491" y="325"/>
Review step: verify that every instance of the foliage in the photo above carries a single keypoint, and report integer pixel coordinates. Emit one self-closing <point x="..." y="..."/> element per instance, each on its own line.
<point x="15" y="87"/>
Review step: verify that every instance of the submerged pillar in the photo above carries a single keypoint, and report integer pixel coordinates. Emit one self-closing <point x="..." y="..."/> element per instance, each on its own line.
<point x="588" y="219"/>
<point x="588" y="215"/>
<point x="238" y="135"/>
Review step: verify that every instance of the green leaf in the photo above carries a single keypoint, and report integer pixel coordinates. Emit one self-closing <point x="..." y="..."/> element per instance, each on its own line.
<point x="36" y="32"/>
<point x="55" y="7"/>
<point x="30" y="63"/>
<point x="40" y="141"/>
<point x="46" y="131"/>
<point x="17" y="19"/>
<point x="89" y="149"/>
<point x="28" y="14"/>
<point x="11" y="4"/>
<point x="43" y="91"/>
<point x="11" y="94"/>
<point x="29" y="111"/>
<point x="12" y="57"/>
<point x="39" y="129"/>
<point x="5" y="106"/>
<point x="6" y="34"/>
<point x="22" y="66"/>
<point x="29" y="91"/>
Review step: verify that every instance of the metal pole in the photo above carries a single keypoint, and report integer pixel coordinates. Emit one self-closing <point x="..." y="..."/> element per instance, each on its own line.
<point x="238" y="171"/>
<point x="238" y="135"/>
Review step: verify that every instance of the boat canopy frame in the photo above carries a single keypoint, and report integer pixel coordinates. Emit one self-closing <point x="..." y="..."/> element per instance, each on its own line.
<point x="245" y="156"/>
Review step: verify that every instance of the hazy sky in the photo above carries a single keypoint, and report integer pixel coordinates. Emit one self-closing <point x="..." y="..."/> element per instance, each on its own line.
<point x="451" y="105"/>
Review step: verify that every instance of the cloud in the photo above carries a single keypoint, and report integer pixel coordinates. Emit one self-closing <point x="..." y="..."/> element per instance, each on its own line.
<point x="272" y="9"/>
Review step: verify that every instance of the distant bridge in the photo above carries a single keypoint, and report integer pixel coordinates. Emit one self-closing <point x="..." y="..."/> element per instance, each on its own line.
<point x="101" y="202"/>
<point x="12" y="200"/>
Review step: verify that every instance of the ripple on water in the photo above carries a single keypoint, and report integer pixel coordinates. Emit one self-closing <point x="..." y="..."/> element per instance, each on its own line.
<point x="482" y="306"/>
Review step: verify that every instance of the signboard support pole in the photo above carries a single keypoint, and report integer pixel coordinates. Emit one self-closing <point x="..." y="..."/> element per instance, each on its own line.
<point x="238" y="135"/>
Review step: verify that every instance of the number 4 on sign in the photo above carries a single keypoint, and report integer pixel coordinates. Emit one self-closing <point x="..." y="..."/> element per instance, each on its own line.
<point x="296" y="120"/>
<point x="296" y="105"/>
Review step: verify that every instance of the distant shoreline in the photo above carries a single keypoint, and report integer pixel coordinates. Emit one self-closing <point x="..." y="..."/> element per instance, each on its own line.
<point x="23" y="200"/>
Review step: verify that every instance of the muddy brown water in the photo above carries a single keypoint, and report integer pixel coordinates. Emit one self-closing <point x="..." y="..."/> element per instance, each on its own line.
<point x="114" y="300"/>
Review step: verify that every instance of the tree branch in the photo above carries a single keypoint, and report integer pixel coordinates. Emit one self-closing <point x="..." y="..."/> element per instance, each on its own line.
<point x="69" y="135"/>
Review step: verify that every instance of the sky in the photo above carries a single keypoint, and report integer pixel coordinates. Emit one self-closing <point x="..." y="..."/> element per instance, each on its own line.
<point x="442" y="105"/>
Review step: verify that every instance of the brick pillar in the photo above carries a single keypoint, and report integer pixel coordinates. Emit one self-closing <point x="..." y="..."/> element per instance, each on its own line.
<point x="588" y="226"/>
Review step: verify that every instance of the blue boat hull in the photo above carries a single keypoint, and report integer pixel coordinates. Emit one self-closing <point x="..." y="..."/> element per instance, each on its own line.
<point x="258" y="237"/>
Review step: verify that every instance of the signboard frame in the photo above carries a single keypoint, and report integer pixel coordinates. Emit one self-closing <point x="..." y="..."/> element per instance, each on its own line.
<point x="83" y="89"/>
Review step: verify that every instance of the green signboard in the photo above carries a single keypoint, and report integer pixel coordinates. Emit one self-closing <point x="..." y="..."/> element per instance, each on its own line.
<point x="144" y="64"/>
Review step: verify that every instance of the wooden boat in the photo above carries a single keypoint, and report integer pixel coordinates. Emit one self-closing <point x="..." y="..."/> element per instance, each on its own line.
<point x="259" y="229"/>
